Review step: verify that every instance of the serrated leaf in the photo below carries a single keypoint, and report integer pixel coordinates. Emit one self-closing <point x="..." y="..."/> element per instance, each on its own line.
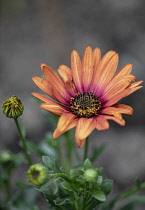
<point x="99" y="195"/>
<point x="106" y="186"/>
<point x="51" y="164"/>
<point x="87" y="164"/>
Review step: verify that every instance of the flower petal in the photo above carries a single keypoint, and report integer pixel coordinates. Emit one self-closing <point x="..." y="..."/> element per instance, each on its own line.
<point x="76" y="67"/>
<point x="124" y="70"/>
<point x="117" y="85"/>
<point x="111" y="111"/>
<point x="65" y="120"/>
<point x="108" y="72"/>
<point x="87" y="68"/>
<point x="120" y="122"/>
<point x="121" y="95"/>
<point x="84" y="127"/>
<point x="65" y="73"/>
<point x="124" y="109"/>
<point x="101" y="123"/>
<point x="53" y="108"/>
<point x="71" y="122"/>
<point x="55" y="81"/>
<point x="41" y="97"/>
<point x="96" y="58"/>
<point x="44" y="86"/>
<point x="100" y="68"/>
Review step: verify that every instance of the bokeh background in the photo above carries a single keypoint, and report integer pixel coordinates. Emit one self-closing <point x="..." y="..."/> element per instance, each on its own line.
<point x="47" y="31"/>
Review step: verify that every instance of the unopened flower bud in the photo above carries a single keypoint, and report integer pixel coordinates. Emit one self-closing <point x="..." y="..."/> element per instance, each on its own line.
<point x="90" y="175"/>
<point x="37" y="174"/>
<point x="5" y="157"/>
<point x="13" y="107"/>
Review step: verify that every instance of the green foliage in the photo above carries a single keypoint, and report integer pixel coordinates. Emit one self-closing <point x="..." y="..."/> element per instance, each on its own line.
<point x="71" y="191"/>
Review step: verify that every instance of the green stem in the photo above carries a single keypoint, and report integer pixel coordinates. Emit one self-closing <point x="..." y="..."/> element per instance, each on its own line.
<point x="23" y="142"/>
<point x="131" y="192"/>
<point x="86" y="149"/>
<point x="85" y="198"/>
<point x="128" y="193"/>
<point x="69" y="145"/>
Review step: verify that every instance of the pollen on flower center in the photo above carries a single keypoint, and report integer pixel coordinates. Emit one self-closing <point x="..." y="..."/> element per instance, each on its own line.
<point x="85" y="104"/>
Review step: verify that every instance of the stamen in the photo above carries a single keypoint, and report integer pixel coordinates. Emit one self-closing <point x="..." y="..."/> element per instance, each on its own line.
<point x="85" y="104"/>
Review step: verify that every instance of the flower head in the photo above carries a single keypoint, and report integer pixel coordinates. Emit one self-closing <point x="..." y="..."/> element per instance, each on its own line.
<point x="37" y="174"/>
<point x="86" y="94"/>
<point x="13" y="107"/>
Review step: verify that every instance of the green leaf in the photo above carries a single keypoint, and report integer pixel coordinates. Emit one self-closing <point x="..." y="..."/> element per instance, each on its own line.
<point x="69" y="187"/>
<point x="87" y="164"/>
<point x="106" y="186"/>
<point x="99" y="195"/>
<point x="51" y="164"/>
<point x="46" y="190"/>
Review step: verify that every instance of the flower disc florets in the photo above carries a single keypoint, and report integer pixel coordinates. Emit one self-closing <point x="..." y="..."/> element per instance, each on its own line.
<point x="85" y="104"/>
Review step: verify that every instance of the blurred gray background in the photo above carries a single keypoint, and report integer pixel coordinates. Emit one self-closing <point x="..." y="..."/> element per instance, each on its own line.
<point x="47" y="31"/>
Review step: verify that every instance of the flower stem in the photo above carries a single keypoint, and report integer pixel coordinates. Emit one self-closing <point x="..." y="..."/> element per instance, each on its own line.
<point x="23" y="142"/>
<point x="86" y="149"/>
<point x="131" y="192"/>
<point x="128" y="194"/>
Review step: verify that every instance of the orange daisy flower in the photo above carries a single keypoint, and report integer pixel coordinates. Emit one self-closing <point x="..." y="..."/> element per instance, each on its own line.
<point x="86" y="94"/>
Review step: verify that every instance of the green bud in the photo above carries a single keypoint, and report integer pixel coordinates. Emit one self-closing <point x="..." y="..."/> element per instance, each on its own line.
<point x="5" y="156"/>
<point x="90" y="175"/>
<point x="37" y="174"/>
<point x="13" y="107"/>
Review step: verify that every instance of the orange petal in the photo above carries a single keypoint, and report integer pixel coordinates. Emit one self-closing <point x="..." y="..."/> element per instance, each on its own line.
<point x="108" y="72"/>
<point x="101" y="123"/>
<point x="117" y="85"/>
<point x="120" y="122"/>
<point x="124" y="70"/>
<point x="41" y="97"/>
<point x="96" y="58"/>
<point x="79" y="142"/>
<point x="71" y="89"/>
<point x="117" y="97"/>
<point x="65" y="73"/>
<point x="55" y="80"/>
<point x="54" y="108"/>
<point x="124" y="109"/>
<point x="69" y="126"/>
<point x="65" y="120"/>
<point x="76" y="67"/>
<point x="135" y="84"/>
<point x="84" y="127"/>
<point x="112" y="111"/>
<point x="101" y="66"/>
<point x="87" y="68"/>
<point x="44" y="86"/>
